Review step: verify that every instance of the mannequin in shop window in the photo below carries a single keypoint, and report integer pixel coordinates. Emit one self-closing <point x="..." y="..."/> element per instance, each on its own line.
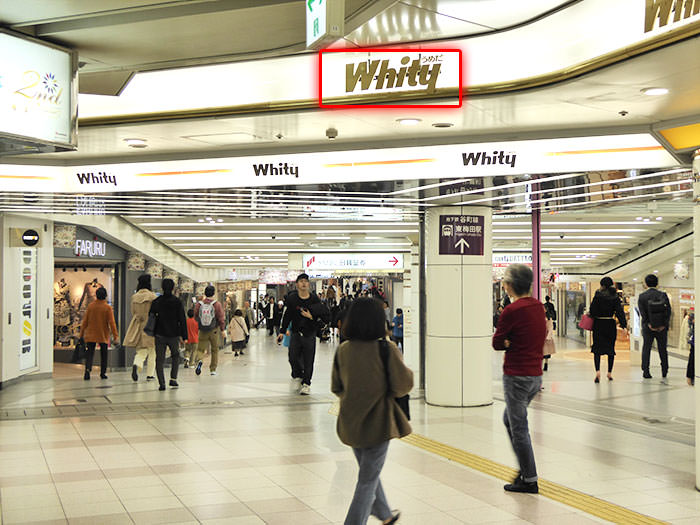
<point x="89" y="293"/>
<point x="61" y="303"/>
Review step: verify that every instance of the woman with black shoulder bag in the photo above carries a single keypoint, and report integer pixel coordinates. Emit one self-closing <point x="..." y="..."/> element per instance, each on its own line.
<point x="368" y="377"/>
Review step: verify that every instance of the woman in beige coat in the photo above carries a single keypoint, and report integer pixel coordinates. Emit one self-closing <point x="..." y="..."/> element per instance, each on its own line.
<point x="369" y="416"/>
<point x="238" y="332"/>
<point x="135" y="336"/>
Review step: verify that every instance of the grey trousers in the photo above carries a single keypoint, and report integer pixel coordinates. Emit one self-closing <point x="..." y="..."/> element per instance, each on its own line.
<point x="369" y="496"/>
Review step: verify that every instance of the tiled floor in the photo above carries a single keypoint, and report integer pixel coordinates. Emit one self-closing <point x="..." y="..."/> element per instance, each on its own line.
<point x="279" y="463"/>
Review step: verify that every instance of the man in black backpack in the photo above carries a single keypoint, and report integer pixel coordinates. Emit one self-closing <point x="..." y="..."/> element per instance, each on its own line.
<point x="655" y="309"/>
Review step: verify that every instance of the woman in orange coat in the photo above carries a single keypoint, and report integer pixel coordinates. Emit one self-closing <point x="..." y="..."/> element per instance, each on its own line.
<point x="97" y="323"/>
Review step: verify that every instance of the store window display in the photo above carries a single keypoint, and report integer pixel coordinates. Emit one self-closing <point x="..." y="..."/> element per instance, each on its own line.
<point x="74" y="289"/>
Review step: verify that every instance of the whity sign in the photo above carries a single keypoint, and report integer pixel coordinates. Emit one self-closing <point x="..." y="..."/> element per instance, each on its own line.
<point x="344" y="74"/>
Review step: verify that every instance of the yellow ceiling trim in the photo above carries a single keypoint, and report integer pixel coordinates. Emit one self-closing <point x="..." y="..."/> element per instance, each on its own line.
<point x="682" y="137"/>
<point x="376" y="163"/>
<point x="675" y="35"/>
<point x="612" y="150"/>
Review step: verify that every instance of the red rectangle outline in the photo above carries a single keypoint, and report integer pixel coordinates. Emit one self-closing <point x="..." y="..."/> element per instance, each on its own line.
<point x="404" y="50"/>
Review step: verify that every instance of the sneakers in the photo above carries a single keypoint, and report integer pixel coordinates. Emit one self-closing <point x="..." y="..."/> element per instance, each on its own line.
<point x="646" y="375"/>
<point x="242" y="352"/>
<point x="213" y="372"/>
<point x="520" y="485"/>
<point x="135" y="373"/>
<point x="161" y="387"/>
<point x="305" y="390"/>
<point x="664" y="380"/>
<point x="235" y="354"/>
<point x="295" y="384"/>
<point x="198" y="370"/>
<point x="173" y="383"/>
<point x="187" y="363"/>
<point x="150" y="378"/>
<point x="103" y="376"/>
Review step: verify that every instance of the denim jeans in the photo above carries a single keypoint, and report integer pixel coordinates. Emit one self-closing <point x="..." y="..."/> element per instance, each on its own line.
<point x="518" y="392"/>
<point x="369" y="496"/>
<point x="661" y="338"/>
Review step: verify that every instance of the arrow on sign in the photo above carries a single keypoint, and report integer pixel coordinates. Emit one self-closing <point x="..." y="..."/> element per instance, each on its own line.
<point x="461" y="244"/>
<point x="310" y="2"/>
<point x="394" y="260"/>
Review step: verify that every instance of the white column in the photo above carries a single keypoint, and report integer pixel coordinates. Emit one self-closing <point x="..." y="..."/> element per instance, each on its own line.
<point x="696" y="255"/>
<point x="459" y="314"/>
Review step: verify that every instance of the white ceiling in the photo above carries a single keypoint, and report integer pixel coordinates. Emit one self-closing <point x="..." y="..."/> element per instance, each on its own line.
<point x="120" y="37"/>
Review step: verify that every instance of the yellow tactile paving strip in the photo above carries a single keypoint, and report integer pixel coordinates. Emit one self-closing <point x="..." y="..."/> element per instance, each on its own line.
<point x="590" y="504"/>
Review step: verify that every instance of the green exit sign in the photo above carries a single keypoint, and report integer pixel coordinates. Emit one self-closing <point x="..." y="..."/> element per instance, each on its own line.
<point x="324" y="22"/>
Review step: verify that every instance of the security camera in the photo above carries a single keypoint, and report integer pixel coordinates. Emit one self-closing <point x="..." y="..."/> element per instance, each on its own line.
<point x="561" y="236"/>
<point x="331" y="133"/>
<point x="274" y="237"/>
<point x="279" y="136"/>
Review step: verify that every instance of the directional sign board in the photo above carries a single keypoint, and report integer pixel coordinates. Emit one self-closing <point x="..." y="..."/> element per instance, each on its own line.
<point x="461" y="235"/>
<point x="353" y="261"/>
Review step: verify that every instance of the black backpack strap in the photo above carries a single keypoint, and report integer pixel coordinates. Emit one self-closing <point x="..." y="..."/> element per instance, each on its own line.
<point x="384" y="354"/>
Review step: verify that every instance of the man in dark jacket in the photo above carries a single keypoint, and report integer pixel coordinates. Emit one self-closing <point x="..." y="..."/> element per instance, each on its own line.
<point x="655" y="310"/>
<point x="171" y="325"/>
<point x="305" y="311"/>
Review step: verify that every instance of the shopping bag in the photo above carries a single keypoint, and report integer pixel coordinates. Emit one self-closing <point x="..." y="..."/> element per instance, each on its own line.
<point x="586" y="322"/>
<point x="287" y="338"/>
<point x="78" y="351"/>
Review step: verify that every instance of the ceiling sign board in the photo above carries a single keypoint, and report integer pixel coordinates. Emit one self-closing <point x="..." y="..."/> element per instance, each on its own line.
<point x="461" y="235"/>
<point x="325" y="21"/>
<point x="38" y="96"/>
<point x="470" y="161"/>
<point x="353" y="261"/>
<point x="344" y="74"/>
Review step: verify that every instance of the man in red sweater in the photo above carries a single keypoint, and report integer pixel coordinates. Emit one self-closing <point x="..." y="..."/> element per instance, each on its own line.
<point x="521" y="331"/>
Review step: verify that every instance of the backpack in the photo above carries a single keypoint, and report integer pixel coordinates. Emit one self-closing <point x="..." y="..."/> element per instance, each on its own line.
<point x="207" y="316"/>
<point x="658" y="311"/>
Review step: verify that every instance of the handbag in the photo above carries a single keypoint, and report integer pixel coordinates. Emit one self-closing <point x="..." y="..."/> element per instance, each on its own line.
<point x="150" y="328"/>
<point x="586" y="322"/>
<point x="403" y="400"/>
<point x="287" y="338"/>
<point x="78" y="351"/>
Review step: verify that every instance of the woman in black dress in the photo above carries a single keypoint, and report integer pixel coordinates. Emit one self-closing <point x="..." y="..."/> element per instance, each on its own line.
<point x="604" y="306"/>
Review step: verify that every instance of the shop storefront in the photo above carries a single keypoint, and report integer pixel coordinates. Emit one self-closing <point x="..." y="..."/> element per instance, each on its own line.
<point x="83" y="263"/>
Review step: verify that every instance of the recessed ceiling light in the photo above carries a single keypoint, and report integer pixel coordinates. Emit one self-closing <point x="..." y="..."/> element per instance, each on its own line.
<point x="442" y="124"/>
<point x="200" y="220"/>
<point x="207" y="218"/>
<point x="136" y="143"/>
<point x="659" y="218"/>
<point x="638" y="219"/>
<point x="408" y="121"/>
<point x="219" y="220"/>
<point x="656" y="271"/>
<point x="655" y="91"/>
<point x="634" y="279"/>
<point x="680" y="262"/>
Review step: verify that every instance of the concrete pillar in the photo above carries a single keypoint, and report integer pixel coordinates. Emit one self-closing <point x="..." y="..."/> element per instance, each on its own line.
<point x="537" y="254"/>
<point x="696" y="255"/>
<point x="459" y="313"/>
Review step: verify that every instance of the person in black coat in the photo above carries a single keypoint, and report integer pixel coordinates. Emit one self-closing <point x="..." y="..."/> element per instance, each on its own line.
<point x="306" y="313"/>
<point x="606" y="305"/>
<point x="171" y="326"/>
<point x="655" y="310"/>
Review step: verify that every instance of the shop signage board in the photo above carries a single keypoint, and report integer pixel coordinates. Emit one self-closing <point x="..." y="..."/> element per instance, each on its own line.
<point x="503" y="260"/>
<point x="345" y="73"/>
<point x="353" y="261"/>
<point x="544" y="156"/>
<point x="37" y="96"/>
<point x="461" y="235"/>
<point x="27" y="327"/>
<point x="90" y="248"/>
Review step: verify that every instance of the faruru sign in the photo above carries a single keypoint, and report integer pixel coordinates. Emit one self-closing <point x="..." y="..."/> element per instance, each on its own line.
<point x="353" y="261"/>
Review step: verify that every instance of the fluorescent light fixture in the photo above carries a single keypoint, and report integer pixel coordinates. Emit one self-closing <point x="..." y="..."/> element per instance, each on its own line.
<point x="332" y="237"/>
<point x="136" y="143"/>
<point x="659" y="218"/>
<point x="383" y="243"/>
<point x="408" y="121"/>
<point x="370" y="237"/>
<point x="160" y="232"/>
<point x="655" y="91"/>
